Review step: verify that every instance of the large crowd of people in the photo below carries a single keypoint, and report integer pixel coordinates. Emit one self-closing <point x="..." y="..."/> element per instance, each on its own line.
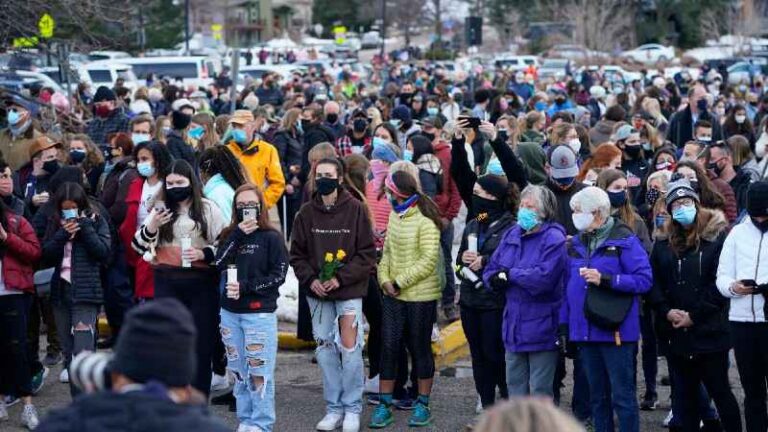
<point x="598" y="221"/>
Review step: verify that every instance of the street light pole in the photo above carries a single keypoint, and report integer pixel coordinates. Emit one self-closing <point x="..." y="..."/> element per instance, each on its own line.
<point x="383" y="51"/>
<point x="186" y="26"/>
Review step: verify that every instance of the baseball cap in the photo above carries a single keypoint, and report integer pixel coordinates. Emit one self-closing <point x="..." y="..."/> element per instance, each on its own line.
<point x="562" y="162"/>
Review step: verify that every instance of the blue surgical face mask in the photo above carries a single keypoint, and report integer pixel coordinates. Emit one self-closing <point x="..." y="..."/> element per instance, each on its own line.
<point x="396" y="123"/>
<point x="67" y="214"/>
<point x="685" y="215"/>
<point x="196" y="132"/>
<point x="527" y="218"/>
<point x="494" y="167"/>
<point x="139" y="138"/>
<point x="540" y="106"/>
<point x="660" y="220"/>
<point x="239" y="136"/>
<point x="145" y="169"/>
<point x="379" y="142"/>
<point x="432" y="111"/>
<point x="13" y="117"/>
<point x="299" y="127"/>
<point x="408" y="155"/>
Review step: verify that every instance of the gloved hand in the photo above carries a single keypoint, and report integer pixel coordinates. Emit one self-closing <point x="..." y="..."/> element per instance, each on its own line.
<point x="566" y="347"/>
<point x="499" y="281"/>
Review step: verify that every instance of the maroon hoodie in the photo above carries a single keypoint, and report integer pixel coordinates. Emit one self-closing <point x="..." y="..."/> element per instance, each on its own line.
<point x="448" y="200"/>
<point x="318" y="230"/>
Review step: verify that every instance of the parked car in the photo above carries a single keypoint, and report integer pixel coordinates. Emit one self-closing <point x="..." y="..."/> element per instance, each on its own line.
<point x="107" y="55"/>
<point x="650" y="53"/>
<point x="553" y="68"/>
<point x="614" y="74"/>
<point x="740" y="72"/>
<point x="516" y="63"/>
<point x="371" y="40"/>
<point x="576" y="53"/>
<point x="194" y="71"/>
<point x="18" y="80"/>
<point x="100" y="73"/>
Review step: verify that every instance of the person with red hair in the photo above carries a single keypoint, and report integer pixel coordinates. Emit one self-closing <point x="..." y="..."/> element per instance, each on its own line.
<point x="606" y="155"/>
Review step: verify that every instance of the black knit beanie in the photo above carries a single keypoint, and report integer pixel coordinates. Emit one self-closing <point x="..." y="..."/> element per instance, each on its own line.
<point x="757" y="199"/>
<point x="180" y="121"/>
<point x="157" y="343"/>
<point x="494" y="185"/>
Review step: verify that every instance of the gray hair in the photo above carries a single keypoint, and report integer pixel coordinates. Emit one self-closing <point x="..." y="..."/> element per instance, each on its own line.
<point x="592" y="199"/>
<point x="546" y="203"/>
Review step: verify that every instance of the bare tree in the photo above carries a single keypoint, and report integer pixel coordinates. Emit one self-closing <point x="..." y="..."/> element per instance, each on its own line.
<point x="89" y="20"/>
<point x="598" y="24"/>
<point x="407" y="14"/>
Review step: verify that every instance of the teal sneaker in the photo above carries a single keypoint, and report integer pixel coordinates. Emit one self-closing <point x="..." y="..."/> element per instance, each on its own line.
<point x="421" y="416"/>
<point x="382" y="417"/>
<point x="38" y="380"/>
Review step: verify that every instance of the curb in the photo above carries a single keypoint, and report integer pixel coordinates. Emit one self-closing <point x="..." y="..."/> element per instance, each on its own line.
<point x="452" y="338"/>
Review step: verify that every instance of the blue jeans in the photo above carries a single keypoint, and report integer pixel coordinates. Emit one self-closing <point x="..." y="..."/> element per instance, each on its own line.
<point x="611" y="377"/>
<point x="531" y="373"/>
<point x="250" y="340"/>
<point x="342" y="367"/>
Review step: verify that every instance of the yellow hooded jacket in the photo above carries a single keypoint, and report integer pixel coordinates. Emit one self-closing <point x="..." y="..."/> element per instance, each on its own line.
<point x="262" y="165"/>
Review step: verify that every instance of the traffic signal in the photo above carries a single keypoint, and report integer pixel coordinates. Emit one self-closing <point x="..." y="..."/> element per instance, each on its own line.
<point x="474" y="30"/>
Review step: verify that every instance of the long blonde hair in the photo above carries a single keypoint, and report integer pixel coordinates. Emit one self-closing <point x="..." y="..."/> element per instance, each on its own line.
<point x="527" y="415"/>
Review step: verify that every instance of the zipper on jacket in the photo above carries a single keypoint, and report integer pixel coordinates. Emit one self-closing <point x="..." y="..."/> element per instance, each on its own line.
<point x="757" y="266"/>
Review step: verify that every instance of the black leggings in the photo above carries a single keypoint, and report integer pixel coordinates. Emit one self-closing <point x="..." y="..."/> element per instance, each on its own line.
<point x="483" y="330"/>
<point x="712" y="370"/>
<point x="372" y="312"/>
<point x="418" y="318"/>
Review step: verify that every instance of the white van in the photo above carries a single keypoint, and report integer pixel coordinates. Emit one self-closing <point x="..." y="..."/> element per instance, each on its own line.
<point x="102" y="73"/>
<point x="196" y="71"/>
<point x="516" y="63"/>
<point x="107" y="55"/>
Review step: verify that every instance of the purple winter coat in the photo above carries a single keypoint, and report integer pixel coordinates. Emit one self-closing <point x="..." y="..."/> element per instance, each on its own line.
<point x="535" y="265"/>
<point x="624" y="266"/>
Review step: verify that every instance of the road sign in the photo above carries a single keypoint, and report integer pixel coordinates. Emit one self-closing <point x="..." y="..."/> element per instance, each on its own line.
<point x="216" y="29"/>
<point x="46" y="26"/>
<point x="25" y="42"/>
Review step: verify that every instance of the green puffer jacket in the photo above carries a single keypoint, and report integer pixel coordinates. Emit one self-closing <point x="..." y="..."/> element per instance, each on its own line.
<point x="412" y="257"/>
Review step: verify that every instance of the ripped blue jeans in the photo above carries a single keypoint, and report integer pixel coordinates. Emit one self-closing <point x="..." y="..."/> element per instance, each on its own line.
<point x="250" y="341"/>
<point x="342" y="367"/>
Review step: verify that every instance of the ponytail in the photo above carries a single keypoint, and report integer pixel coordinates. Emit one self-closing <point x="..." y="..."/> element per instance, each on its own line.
<point x="428" y="208"/>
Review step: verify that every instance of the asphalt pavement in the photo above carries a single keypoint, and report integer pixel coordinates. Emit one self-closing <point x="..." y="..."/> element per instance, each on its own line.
<point x="300" y="404"/>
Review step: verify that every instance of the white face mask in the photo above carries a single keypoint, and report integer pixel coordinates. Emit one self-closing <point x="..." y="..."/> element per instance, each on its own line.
<point x="760" y="145"/>
<point x="575" y="145"/>
<point x="264" y="128"/>
<point x="740" y="118"/>
<point x="582" y="221"/>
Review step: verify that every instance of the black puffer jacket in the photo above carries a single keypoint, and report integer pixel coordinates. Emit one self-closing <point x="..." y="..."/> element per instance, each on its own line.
<point x="90" y="250"/>
<point x="179" y="149"/>
<point x="262" y="262"/>
<point x="488" y="238"/>
<point x="129" y="412"/>
<point x="687" y="282"/>
<point x="289" y="149"/>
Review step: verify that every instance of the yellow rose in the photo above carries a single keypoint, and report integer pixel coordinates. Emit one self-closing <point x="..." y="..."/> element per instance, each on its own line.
<point x="340" y="254"/>
<point x="328" y="257"/>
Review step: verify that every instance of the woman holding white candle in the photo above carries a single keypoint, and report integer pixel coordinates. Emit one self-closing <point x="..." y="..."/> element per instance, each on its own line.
<point x="178" y="238"/>
<point x="253" y="262"/>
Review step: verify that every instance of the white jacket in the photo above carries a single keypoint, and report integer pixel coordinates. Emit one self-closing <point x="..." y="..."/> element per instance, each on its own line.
<point x="744" y="256"/>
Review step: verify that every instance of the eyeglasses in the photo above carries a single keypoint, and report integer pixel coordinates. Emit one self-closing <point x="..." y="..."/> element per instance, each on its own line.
<point x="684" y="202"/>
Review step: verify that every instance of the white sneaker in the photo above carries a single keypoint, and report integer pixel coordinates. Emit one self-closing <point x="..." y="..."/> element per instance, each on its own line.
<point x="479" y="406"/>
<point x="668" y="419"/>
<point x="29" y="417"/>
<point x="64" y="376"/>
<point x="246" y="428"/>
<point x="372" y="385"/>
<point x="3" y="411"/>
<point x="351" y="422"/>
<point x="330" y="422"/>
<point x="219" y="383"/>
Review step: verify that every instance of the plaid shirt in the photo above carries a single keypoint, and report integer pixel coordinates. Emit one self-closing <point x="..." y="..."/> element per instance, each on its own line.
<point x="100" y="128"/>
<point x="344" y="145"/>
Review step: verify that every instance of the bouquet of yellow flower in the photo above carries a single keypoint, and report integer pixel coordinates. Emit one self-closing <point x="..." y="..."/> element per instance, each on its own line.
<point x="331" y="265"/>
